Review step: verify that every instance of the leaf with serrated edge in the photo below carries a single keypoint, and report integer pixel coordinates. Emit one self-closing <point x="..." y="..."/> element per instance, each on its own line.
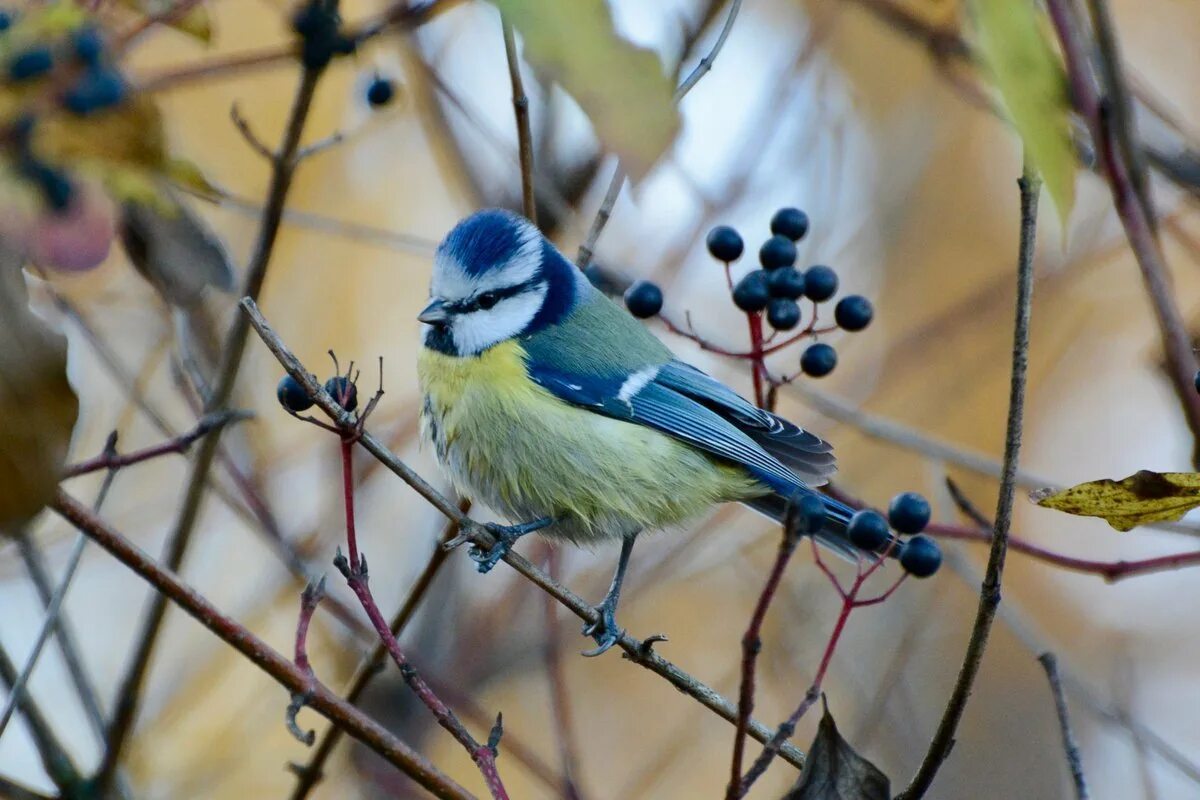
<point x="621" y="87"/>
<point x="834" y="771"/>
<point x="38" y="408"/>
<point x="1032" y="84"/>
<point x="1140" y="499"/>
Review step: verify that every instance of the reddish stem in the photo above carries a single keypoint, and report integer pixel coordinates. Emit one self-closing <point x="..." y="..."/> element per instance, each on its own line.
<point x="111" y="460"/>
<point x="751" y="645"/>
<point x="348" y="497"/>
<point x="850" y="602"/>
<point x="756" y="356"/>
<point x="484" y="755"/>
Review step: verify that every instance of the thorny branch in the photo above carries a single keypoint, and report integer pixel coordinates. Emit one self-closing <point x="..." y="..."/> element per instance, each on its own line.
<point x="989" y="595"/>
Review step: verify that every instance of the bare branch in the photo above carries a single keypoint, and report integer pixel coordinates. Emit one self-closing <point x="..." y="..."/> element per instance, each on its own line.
<point x="1050" y="664"/>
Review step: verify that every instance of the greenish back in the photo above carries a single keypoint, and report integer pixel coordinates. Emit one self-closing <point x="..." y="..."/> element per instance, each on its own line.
<point x="598" y="338"/>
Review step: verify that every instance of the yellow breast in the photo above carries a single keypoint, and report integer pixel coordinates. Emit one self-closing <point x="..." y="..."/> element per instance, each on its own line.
<point x="512" y="444"/>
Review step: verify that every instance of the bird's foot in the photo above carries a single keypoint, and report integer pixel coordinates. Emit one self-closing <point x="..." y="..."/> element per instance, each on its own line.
<point x="604" y="630"/>
<point x="505" y="536"/>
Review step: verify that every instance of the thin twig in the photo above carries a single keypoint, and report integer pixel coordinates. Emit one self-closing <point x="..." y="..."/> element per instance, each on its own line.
<point x="989" y="595"/>
<point x="311" y="773"/>
<point x="1123" y="179"/>
<point x="55" y="758"/>
<point x="67" y="644"/>
<point x="752" y="645"/>
<point x="17" y="690"/>
<point x="275" y="664"/>
<point x="1050" y="664"/>
<point x="586" y="250"/>
<point x="636" y="650"/>
<point x="179" y="444"/>
<point x="521" y="112"/>
<point x="284" y="165"/>
<point x="560" y="697"/>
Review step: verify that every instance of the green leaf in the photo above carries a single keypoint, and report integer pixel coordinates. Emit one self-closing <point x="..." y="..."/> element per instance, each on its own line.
<point x="621" y="87"/>
<point x="1030" y="79"/>
<point x="834" y="771"/>
<point x="1137" y="500"/>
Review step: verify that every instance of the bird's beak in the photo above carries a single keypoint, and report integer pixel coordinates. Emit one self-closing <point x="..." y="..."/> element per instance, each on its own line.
<point x="435" y="312"/>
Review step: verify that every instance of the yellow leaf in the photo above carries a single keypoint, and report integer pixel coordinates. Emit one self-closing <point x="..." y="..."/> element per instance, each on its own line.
<point x="188" y="176"/>
<point x="1032" y="84"/>
<point x="128" y="134"/>
<point x="1137" y="500"/>
<point x="621" y="87"/>
<point x="37" y="406"/>
<point x="196" y="22"/>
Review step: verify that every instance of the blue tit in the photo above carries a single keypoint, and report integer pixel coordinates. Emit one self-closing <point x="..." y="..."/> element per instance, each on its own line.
<point x="549" y="403"/>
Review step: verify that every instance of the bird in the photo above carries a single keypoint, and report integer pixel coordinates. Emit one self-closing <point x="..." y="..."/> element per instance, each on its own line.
<point x="552" y="405"/>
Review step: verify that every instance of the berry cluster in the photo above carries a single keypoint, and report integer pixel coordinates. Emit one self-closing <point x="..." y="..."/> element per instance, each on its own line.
<point x="908" y="514"/>
<point x="98" y="86"/>
<point x="776" y="290"/>
<point x="295" y="398"/>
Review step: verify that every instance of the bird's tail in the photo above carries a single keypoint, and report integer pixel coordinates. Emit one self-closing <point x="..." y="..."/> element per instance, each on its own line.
<point x="833" y="533"/>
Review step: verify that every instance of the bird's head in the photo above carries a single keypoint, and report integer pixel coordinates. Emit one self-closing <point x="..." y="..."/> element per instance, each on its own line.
<point x="495" y="277"/>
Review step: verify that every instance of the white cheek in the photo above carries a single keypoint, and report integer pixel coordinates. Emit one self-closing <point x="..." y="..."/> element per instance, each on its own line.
<point x="481" y="329"/>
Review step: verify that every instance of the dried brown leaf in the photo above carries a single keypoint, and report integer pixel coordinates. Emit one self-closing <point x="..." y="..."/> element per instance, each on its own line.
<point x="834" y="771"/>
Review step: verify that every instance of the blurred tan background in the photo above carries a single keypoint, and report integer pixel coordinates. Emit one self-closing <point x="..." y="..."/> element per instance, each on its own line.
<point x="912" y="193"/>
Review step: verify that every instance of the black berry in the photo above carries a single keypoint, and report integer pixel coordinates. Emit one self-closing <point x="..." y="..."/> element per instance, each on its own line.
<point x="30" y="64"/>
<point x="1198" y="381"/>
<point x="809" y="513"/>
<point x="343" y="391"/>
<point x="643" y="299"/>
<point x="380" y="92"/>
<point x="790" y="222"/>
<point x="920" y="556"/>
<point x="292" y="394"/>
<point x="783" y="314"/>
<point x="97" y="89"/>
<point x="786" y="282"/>
<point x="868" y="530"/>
<point x="89" y="45"/>
<point x="818" y="360"/>
<point x="820" y="283"/>
<point x="776" y="252"/>
<point x="725" y="244"/>
<point x="751" y="293"/>
<point x="5" y="20"/>
<point x="909" y="512"/>
<point x="853" y="312"/>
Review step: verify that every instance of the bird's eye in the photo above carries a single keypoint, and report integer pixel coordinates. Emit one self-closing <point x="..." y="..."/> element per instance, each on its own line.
<point x="487" y="300"/>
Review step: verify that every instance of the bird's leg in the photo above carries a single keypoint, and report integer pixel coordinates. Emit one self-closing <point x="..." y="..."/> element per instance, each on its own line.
<point x="506" y="536"/>
<point x="605" y="630"/>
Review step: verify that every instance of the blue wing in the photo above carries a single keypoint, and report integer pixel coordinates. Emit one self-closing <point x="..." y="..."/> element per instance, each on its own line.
<point x="683" y="402"/>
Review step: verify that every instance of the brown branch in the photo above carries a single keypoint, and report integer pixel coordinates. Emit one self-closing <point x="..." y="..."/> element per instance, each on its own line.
<point x="283" y="170"/>
<point x="177" y="445"/>
<point x="636" y="650"/>
<point x="1050" y="664"/>
<point x="1122" y="171"/>
<point x="521" y="112"/>
<point x="989" y="595"/>
<point x="287" y="674"/>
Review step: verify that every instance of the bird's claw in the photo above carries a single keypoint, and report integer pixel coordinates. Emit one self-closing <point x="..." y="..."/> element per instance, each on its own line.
<point x="604" y="630"/>
<point x="505" y="536"/>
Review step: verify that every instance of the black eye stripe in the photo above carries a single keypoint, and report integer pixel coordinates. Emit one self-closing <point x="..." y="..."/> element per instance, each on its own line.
<point x="502" y="293"/>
